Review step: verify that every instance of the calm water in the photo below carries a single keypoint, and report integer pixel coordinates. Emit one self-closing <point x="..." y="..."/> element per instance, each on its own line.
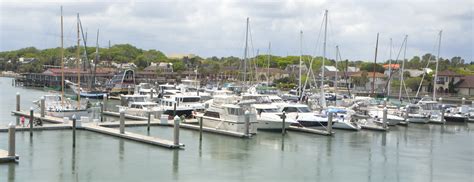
<point x="414" y="153"/>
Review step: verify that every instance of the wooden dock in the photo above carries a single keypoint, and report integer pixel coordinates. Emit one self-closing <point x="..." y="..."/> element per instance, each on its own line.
<point x="4" y="158"/>
<point x="213" y="130"/>
<point x="38" y="128"/>
<point x="132" y="136"/>
<point x="373" y="127"/>
<point x="46" y="118"/>
<point x="309" y="130"/>
<point x="127" y="116"/>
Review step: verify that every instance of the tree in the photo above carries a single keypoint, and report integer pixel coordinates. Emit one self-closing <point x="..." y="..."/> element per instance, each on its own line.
<point x="369" y="67"/>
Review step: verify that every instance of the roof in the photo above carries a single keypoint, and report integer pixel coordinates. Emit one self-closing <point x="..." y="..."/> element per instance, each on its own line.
<point x="369" y="74"/>
<point x="467" y="82"/>
<point x="449" y="73"/>
<point x="394" y="66"/>
<point x="271" y="70"/>
<point x="330" y="68"/>
<point x="57" y="71"/>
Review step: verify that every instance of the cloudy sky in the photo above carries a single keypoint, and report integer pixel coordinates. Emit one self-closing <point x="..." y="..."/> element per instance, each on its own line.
<point x="209" y="28"/>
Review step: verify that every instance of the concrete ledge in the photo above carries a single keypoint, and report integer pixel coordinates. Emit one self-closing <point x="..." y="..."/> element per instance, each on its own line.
<point x="48" y="119"/>
<point x="127" y="116"/>
<point x="4" y="158"/>
<point x="213" y="130"/>
<point x="374" y="127"/>
<point x="39" y="128"/>
<point x="309" y="130"/>
<point x="132" y="136"/>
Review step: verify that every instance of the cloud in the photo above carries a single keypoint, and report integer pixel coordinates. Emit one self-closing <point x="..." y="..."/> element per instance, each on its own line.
<point x="217" y="28"/>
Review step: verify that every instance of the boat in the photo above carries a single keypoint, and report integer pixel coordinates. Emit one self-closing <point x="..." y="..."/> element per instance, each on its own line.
<point x="342" y="119"/>
<point x="456" y="114"/>
<point x="57" y="107"/>
<point x="269" y="117"/>
<point x="415" y="115"/>
<point x="304" y="116"/>
<point x="186" y="105"/>
<point x="392" y="119"/>
<point x="121" y="83"/>
<point x="83" y="93"/>
<point x="138" y="105"/>
<point x="225" y="114"/>
<point x="432" y="109"/>
<point x="147" y="90"/>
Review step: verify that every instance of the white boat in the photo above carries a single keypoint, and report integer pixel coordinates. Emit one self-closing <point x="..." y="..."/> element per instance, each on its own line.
<point x="269" y="117"/>
<point x="342" y="119"/>
<point x="224" y="114"/>
<point x="147" y="90"/>
<point x="55" y="107"/>
<point x="137" y="105"/>
<point x="392" y="119"/>
<point x="415" y="115"/>
<point x="185" y="104"/>
<point x="304" y="116"/>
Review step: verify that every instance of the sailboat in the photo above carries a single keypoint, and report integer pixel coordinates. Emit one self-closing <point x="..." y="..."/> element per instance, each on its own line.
<point x="58" y="105"/>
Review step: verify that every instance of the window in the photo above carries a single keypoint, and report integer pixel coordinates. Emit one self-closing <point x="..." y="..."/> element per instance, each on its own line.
<point x="211" y="114"/>
<point x="191" y="99"/>
<point x="303" y="109"/>
<point x="235" y="111"/>
<point x="290" y="109"/>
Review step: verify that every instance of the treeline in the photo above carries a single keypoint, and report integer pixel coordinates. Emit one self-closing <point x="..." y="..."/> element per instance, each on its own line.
<point x="124" y="53"/>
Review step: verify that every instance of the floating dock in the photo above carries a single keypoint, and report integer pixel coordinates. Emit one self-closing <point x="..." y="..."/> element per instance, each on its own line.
<point x="38" y="128"/>
<point x="374" y="127"/>
<point x="132" y="136"/>
<point x="127" y="116"/>
<point x="213" y="130"/>
<point x="4" y="158"/>
<point x="46" y="118"/>
<point x="309" y="130"/>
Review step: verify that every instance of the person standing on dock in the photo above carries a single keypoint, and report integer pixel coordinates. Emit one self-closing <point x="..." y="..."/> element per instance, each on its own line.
<point x="22" y="121"/>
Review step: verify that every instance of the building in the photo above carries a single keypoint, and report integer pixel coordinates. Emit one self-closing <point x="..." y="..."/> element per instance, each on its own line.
<point x="444" y="78"/>
<point x="293" y="69"/>
<point x="466" y="86"/>
<point x="160" y="67"/>
<point x="357" y="79"/>
<point x="330" y="68"/>
<point x="274" y="73"/>
<point x="181" y="56"/>
<point x="124" y="66"/>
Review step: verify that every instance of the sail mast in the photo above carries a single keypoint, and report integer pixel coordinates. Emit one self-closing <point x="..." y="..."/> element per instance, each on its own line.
<point x="437" y="62"/>
<point x="78" y="66"/>
<point x="96" y="60"/>
<point x="324" y="58"/>
<point x="335" y="76"/>
<point x="389" y="69"/>
<point x="62" y="59"/>
<point x="375" y="63"/>
<point x="268" y="63"/>
<point x="403" y="69"/>
<point x="299" y="66"/>
<point x="245" y="52"/>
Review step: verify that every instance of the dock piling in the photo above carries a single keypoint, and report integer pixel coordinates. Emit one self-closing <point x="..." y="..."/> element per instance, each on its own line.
<point x="177" y="120"/>
<point x="122" y="121"/>
<point x="200" y="128"/>
<point x="384" y="124"/>
<point x="151" y="93"/>
<point x="31" y="122"/>
<point x="104" y="102"/>
<point x="174" y="109"/>
<point x="42" y="105"/>
<point x="283" y="117"/>
<point x="385" y="102"/>
<point x="128" y="90"/>
<point x="74" y="131"/>
<point x="329" y="128"/>
<point x="247" y="123"/>
<point x="463" y="101"/>
<point x="443" y="107"/>
<point x="149" y="119"/>
<point x="406" y="115"/>
<point x="18" y="101"/>
<point x="11" y="140"/>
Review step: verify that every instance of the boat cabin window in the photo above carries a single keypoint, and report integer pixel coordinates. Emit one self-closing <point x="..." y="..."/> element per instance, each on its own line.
<point x="235" y="111"/>
<point x="290" y="109"/>
<point x="211" y="114"/>
<point x="136" y="106"/>
<point x="303" y="109"/>
<point x="268" y="110"/>
<point x="191" y="99"/>
<point x="413" y="109"/>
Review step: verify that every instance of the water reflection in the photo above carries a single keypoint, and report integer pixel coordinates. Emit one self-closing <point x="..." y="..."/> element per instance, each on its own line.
<point x="121" y="150"/>
<point x="11" y="172"/>
<point x="282" y="143"/>
<point x="175" y="164"/>
<point x="73" y="161"/>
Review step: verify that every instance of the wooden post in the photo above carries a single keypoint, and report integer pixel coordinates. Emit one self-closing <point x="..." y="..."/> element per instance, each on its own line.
<point x="151" y="93"/>
<point x="247" y="123"/>
<point x="128" y="90"/>
<point x="122" y="121"/>
<point x="11" y="140"/>
<point x="104" y="102"/>
<point x="329" y="127"/>
<point x="200" y="128"/>
<point x="463" y="101"/>
<point x="74" y="131"/>
<point x="42" y="105"/>
<point x="174" y="109"/>
<point x="384" y="124"/>
<point x="283" y="129"/>
<point x="406" y="114"/>
<point x="149" y="119"/>
<point x="442" y="113"/>
<point x="176" y="130"/>
<point x="384" y="102"/>
<point x="18" y="101"/>
<point x="31" y="122"/>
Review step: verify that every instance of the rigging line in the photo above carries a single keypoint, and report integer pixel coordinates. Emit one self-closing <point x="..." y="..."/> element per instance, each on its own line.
<point x="345" y="71"/>
<point x="424" y="71"/>
<point x="396" y="60"/>
<point x="313" y="57"/>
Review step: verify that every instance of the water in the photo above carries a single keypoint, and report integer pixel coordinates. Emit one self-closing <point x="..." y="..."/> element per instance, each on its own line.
<point x="414" y="153"/>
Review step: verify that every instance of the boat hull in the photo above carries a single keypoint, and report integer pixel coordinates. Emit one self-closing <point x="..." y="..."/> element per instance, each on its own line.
<point x="221" y="124"/>
<point x="271" y="125"/>
<point x="458" y="119"/>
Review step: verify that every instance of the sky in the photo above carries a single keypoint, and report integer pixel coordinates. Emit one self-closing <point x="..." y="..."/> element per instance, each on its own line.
<point x="217" y="28"/>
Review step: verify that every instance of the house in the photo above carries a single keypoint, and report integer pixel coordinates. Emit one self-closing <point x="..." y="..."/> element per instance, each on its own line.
<point x="181" y="56"/>
<point x="466" y="86"/>
<point x="379" y="84"/>
<point x="124" y="66"/>
<point x="444" y="78"/>
<point x="413" y="72"/>
<point x="352" y="69"/>
<point x="394" y="66"/>
<point x="293" y="69"/>
<point x="330" y="68"/>
<point x="23" y="60"/>
<point x="273" y="73"/>
<point x="160" y="67"/>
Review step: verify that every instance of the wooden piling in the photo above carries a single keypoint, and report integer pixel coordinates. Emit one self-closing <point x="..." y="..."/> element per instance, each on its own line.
<point x="74" y="131"/>
<point x="283" y="129"/>
<point x="31" y="122"/>
<point x="384" y="120"/>
<point x="42" y="107"/>
<point x="11" y="140"/>
<point x="176" y="130"/>
<point x="200" y="128"/>
<point x="463" y="101"/>
<point x="174" y="109"/>
<point x="247" y="123"/>
<point x="122" y="121"/>
<point x="329" y="128"/>
<point x="17" y="101"/>
<point x="104" y="102"/>
<point x="149" y="120"/>
<point x="443" y="107"/>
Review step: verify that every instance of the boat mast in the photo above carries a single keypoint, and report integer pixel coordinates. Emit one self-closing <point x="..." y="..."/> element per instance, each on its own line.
<point x="62" y="59"/>
<point x="78" y="66"/>
<point x="323" y="98"/>
<point x="268" y="63"/>
<point x="389" y="69"/>
<point x="246" y="52"/>
<point x="375" y="63"/>
<point x="96" y="60"/>
<point x="437" y="62"/>
<point x="299" y="66"/>
<point x="335" y="76"/>
<point x="403" y="69"/>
